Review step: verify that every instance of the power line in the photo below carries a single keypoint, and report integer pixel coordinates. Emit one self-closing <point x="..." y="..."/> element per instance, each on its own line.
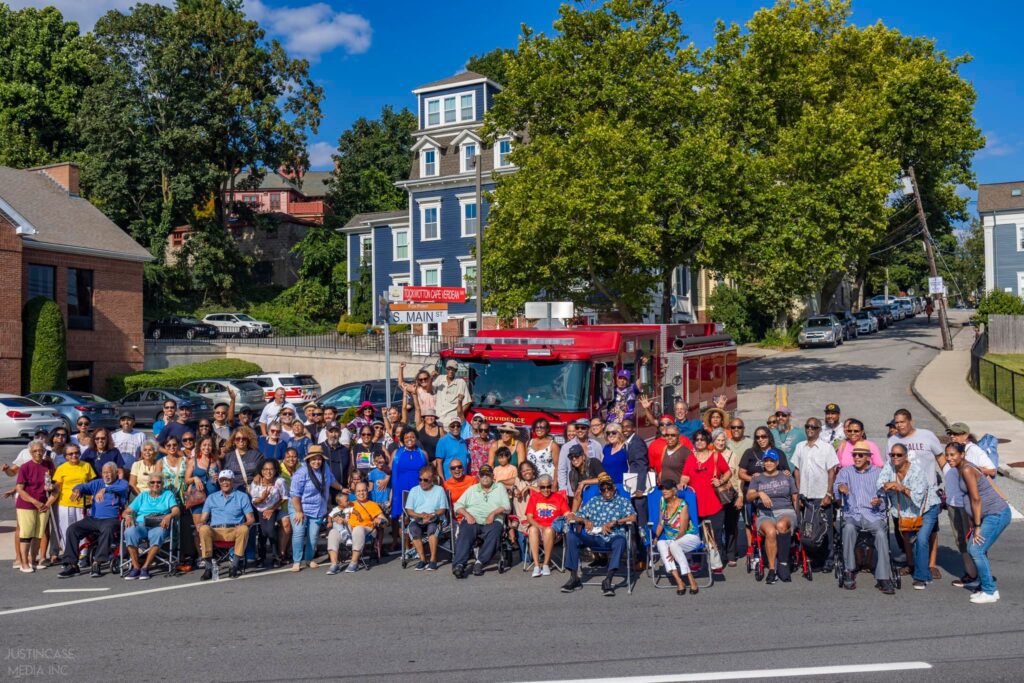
<point x="952" y="276"/>
<point x="909" y="239"/>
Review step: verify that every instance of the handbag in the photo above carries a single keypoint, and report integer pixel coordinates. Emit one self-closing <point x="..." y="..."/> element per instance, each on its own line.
<point x="194" y="496"/>
<point x="726" y="493"/>
<point x="714" y="556"/>
<point x="910" y="524"/>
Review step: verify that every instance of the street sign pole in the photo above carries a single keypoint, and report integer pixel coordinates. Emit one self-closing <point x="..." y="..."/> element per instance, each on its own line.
<point x="385" y="319"/>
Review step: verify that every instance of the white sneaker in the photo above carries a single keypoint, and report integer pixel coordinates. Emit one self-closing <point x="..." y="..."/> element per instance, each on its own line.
<point x="545" y="570"/>
<point x="982" y="598"/>
<point x="536" y="572"/>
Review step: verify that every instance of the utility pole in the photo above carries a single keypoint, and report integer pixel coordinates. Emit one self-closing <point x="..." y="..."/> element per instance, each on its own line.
<point x="886" y="291"/>
<point x="947" y="340"/>
<point x="477" y="279"/>
<point x="384" y="318"/>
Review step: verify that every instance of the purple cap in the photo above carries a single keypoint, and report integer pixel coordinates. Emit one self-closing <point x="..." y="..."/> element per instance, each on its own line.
<point x="623" y="373"/>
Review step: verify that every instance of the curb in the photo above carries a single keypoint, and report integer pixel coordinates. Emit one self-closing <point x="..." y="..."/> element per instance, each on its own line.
<point x="1011" y="473"/>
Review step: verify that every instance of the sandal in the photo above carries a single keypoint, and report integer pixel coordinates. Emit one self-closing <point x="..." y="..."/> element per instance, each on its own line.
<point x="936" y="574"/>
<point x="681" y="591"/>
<point x="694" y="590"/>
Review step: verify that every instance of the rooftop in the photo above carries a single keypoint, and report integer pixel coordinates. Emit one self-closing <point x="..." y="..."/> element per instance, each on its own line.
<point x="457" y="79"/>
<point x="1000" y="196"/>
<point x="364" y="219"/>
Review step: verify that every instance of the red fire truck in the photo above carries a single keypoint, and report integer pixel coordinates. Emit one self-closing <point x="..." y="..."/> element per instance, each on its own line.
<point x="520" y="375"/>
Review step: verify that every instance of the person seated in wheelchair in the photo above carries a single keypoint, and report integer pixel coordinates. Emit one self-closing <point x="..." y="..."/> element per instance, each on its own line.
<point x="774" y="497"/>
<point x="863" y="511"/>
<point x="482" y="509"/>
<point x="149" y="516"/>
<point x="227" y="516"/>
<point x="676" y="535"/>
<point x="425" y="507"/>
<point x="109" y="495"/>
<point x="604" y="519"/>
<point x="546" y="512"/>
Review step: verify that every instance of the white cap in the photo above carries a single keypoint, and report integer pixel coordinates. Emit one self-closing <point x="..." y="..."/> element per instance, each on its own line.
<point x="226" y="474"/>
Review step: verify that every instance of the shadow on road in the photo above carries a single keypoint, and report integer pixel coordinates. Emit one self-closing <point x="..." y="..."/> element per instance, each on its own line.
<point x="793" y="368"/>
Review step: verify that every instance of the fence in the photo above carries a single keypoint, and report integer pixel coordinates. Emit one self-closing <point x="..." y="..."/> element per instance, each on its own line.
<point x="1005" y="333"/>
<point x="997" y="383"/>
<point x="417" y="345"/>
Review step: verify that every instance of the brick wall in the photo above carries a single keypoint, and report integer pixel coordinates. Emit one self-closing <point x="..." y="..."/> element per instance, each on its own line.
<point x="117" y="311"/>
<point x="10" y="308"/>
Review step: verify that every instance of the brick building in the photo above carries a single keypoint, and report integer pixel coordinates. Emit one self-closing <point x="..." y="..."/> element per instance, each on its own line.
<point x="56" y="244"/>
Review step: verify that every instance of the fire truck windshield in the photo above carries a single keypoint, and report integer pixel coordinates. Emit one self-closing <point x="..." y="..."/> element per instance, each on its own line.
<point x="548" y="384"/>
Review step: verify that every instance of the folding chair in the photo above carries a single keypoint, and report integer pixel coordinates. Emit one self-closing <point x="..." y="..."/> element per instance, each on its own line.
<point x="169" y="555"/>
<point x="690" y="498"/>
<point x="590" y="578"/>
<point x="557" y="563"/>
<point x="445" y="532"/>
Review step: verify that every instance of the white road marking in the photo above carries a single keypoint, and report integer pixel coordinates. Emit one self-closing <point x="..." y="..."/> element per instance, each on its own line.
<point x="115" y="596"/>
<point x="75" y="590"/>
<point x="759" y="673"/>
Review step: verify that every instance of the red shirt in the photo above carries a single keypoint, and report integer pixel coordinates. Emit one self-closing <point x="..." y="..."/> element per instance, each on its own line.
<point x="33" y="477"/>
<point x="547" y="510"/>
<point x="700" y="475"/>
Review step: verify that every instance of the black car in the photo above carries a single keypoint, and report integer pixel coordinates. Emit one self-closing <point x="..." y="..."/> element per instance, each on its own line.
<point x="883" y="313"/>
<point x="354" y="393"/>
<point x="849" y="323"/>
<point x="180" y="327"/>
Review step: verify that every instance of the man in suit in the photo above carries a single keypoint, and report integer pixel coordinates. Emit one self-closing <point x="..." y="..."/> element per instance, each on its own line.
<point x="639" y="464"/>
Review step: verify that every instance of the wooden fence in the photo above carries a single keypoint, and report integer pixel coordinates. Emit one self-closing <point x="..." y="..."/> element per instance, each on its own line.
<point x="1006" y="334"/>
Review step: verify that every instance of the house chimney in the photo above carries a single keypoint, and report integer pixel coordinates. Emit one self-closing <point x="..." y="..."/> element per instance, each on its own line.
<point x="64" y="174"/>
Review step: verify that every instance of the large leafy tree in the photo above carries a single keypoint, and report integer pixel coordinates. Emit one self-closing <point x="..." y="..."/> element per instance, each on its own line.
<point x="45" y="65"/>
<point x="618" y="182"/>
<point x="372" y="155"/>
<point x="492" y="64"/>
<point x="185" y="98"/>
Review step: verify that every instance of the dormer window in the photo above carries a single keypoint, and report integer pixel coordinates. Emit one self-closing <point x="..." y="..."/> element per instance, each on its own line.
<point x="501" y="152"/>
<point x="469" y="157"/>
<point x="428" y="158"/>
<point x="448" y="110"/>
<point x="1015" y="192"/>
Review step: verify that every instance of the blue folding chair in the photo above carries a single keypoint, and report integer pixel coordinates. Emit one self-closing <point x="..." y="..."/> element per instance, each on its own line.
<point x="591" y="578"/>
<point x="690" y="498"/>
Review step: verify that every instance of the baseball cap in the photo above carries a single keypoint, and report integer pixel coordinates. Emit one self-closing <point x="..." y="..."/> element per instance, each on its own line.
<point x="126" y="414"/>
<point x="42" y="430"/>
<point x="958" y="428"/>
<point x="452" y="364"/>
<point x="891" y="424"/>
<point x="454" y="421"/>
<point x="832" y="408"/>
<point x="575" y="450"/>
<point x="582" y="422"/>
<point x="771" y="454"/>
<point x="623" y="373"/>
<point x="485" y="469"/>
<point x="333" y="427"/>
<point x="226" y="474"/>
<point x="784" y="411"/>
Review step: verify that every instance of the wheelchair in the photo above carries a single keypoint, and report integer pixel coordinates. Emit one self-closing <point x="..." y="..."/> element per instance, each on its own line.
<point x="506" y="549"/>
<point x="757" y="557"/>
<point x="445" y="531"/>
<point x="659" y="574"/>
<point x="167" y="557"/>
<point x="864" y="550"/>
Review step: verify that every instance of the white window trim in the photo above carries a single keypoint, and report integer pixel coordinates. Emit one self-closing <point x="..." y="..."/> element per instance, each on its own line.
<point x="465" y="326"/>
<point x="466" y="262"/>
<point x="423" y="162"/>
<point x="497" y="152"/>
<point x="463" y="201"/>
<point x="401" y="279"/>
<point x="1020" y="236"/>
<point x="424" y="205"/>
<point x="394" y="244"/>
<point x="431" y="264"/>
<point x="362" y="249"/>
<point x="440" y="108"/>
<point x="463" y="167"/>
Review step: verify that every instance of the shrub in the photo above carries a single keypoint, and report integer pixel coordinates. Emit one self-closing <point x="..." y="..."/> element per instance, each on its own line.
<point x="998" y="302"/>
<point x="119" y="385"/>
<point x="44" y="346"/>
<point x="348" y="416"/>
<point x="743" y="320"/>
<point x="351" y="329"/>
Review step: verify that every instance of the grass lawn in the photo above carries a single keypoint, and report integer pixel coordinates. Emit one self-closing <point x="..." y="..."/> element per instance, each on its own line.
<point x="1013" y="361"/>
<point x="999" y="383"/>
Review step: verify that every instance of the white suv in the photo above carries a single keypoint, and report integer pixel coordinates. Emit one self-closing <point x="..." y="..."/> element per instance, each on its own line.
<point x="299" y="389"/>
<point x="240" y="324"/>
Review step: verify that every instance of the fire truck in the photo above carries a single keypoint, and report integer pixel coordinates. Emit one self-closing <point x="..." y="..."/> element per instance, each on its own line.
<point x="519" y="375"/>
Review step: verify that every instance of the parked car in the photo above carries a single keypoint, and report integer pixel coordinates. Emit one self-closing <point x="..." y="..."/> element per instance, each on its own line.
<point x="897" y="312"/>
<point x="299" y="389"/>
<point x="866" y="323"/>
<point x="20" y="417"/>
<point x="882" y="314"/>
<point x="849" y="324"/>
<point x="248" y="394"/>
<point x="180" y="327"/>
<point x="74" y="404"/>
<point x="907" y="304"/>
<point x="148" y="404"/>
<point x="352" y="394"/>
<point x="821" y="329"/>
<point x="881" y="299"/>
<point x="238" y="325"/>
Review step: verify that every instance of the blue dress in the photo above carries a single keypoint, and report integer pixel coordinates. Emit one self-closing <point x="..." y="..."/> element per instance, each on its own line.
<point x="405" y="474"/>
<point x="615" y="464"/>
<point x="209" y="484"/>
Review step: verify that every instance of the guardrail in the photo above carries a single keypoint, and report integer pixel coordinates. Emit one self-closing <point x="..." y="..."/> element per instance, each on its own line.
<point x="417" y="345"/>
<point x="999" y="384"/>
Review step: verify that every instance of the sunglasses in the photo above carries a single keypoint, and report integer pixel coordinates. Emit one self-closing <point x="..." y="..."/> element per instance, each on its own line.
<point x="156" y="483"/>
<point x="241" y="438"/>
<point x="275" y="431"/>
<point x="665" y="424"/>
<point x="545" y="487"/>
<point x="455" y="468"/>
<point x="761" y="436"/>
<point x="674" y="435"/>
<point x="897" y="455"/>
<point x="186" y="439"/>
<point x="365" y="433"/>
<point x="427" y="479"/>
<point x="861" y="455"/>
<point x="422" y="379"/>
<point x="735" y="426"/>
<point x="83" y="424"/>
<point x="812" y="428"/>
<point x="539" y="427"/>
<point x="606" y="488"/>
<point x="612" y="431"/>
<point x="854" y="430"/>
<point x="318" y="414"/>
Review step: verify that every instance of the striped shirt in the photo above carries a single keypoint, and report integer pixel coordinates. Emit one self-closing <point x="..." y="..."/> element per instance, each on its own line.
<point x="863" y="487"/>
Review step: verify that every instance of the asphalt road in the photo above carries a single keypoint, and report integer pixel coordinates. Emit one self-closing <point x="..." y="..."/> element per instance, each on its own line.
<point x="389" y="623"/>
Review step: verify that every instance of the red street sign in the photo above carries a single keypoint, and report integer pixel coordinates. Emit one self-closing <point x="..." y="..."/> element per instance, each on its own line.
<point x="454" y="295"/>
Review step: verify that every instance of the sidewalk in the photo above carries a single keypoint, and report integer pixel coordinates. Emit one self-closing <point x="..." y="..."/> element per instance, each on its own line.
<point x="943" y="387"/>
<point x="749" y="352"/>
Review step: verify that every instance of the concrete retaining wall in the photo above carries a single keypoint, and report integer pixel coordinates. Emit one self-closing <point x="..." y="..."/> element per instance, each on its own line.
<point x="330" y="368"/>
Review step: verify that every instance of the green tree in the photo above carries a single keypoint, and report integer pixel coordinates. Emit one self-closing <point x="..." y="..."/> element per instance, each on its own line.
<point x="45" y="65"/>
<point x="372" y="155"/>
<point x="363" y="304"/>
<point x="322" y="286"/>
<point x="998" y="302"/>
<point x="492" y="64"/>
<point x="619" y="181"/>
<point x="44" y="346"/>
<point x="210" y="266"/>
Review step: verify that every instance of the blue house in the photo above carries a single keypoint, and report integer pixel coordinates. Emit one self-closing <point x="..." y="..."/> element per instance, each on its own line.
<point x="1001" y="208"/>
<point x="431" y="243"/>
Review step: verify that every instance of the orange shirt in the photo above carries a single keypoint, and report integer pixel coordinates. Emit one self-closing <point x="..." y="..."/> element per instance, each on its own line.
<point x="457" y="488"/>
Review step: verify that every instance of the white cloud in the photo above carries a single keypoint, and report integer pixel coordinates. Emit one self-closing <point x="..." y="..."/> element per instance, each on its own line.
<point x="320" y="155"/>
<point x="996" y="146"/>
<point x="305" y="30"/>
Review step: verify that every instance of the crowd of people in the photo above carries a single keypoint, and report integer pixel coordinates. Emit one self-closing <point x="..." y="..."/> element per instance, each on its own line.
<point x="268" y="487"/>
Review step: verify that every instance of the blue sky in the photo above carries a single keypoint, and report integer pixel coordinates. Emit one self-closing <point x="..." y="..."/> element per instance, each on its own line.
<point x="369" y="54"/>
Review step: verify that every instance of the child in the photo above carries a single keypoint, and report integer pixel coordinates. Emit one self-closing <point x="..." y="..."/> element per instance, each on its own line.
<point x="380" y="488"/>
<point x="339" y="535"/>
<point x="354" y="477"/>
<point x="505" y="473"/>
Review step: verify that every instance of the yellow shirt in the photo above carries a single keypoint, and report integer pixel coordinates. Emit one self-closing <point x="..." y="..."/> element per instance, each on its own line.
<point x="69" y="476"/>
<point x="143" y="472"/>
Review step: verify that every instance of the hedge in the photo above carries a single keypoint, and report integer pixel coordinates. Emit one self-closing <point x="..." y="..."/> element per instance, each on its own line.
<point x="119" y="385"/>
<point x="44" y="346"/>
<point x="352" y="329"/>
